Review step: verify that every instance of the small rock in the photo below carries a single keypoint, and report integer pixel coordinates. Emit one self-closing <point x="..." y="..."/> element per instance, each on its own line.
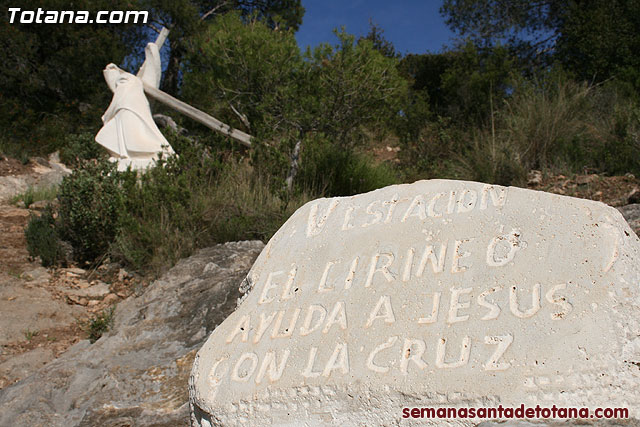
<point x="585" y="179"/>
<point x="39" y="273"/>
<point x="41" y="161"/>
<point x="76" y="270"/>
<point x="98" y="291"/>
<point x="93" y="302"/>
<point x="73" y="299"/>
<point x="66" y="250"/>
<point x="110" y="299"/>
<point x="534" y="178"/>
<point x="82" y="284"/>
<point x="39" y="205"/>
<point x="163" y="121"/>
<point x="122" y="274"/>
<point x="634" y="196"/>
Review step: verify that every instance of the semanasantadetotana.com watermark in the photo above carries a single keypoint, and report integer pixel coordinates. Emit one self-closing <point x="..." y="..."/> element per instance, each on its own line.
<point x="41" y="16"/>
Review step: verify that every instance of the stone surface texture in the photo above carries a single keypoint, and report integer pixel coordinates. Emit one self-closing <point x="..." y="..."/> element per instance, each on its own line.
<point x="137" y="373"/>
<point x="438" y="293"/>
<point x="631" y="213"/>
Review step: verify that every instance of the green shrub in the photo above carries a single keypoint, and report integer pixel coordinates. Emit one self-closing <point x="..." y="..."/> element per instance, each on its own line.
<point x="42" y="239"/>
<point x="91" y="199"/>
<point x="555" y="123"/>
<point x="330" y="170"/>
<point x="78" y="148"/>
<point x="195" y="201"/>
<point x="489" y="159"/>
<point x="548" y="122"/>
<point x="36" y="194"/>
<point x="100" y="324"/>
<point x="433" y="151"/>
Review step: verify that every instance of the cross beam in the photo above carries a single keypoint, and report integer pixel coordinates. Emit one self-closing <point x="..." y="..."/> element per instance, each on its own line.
<point x="197" y="115"/>
<point x="192" y="112"/>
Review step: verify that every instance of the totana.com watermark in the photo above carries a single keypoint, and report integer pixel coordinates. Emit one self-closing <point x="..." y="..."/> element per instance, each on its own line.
<point x="41" y="16"/>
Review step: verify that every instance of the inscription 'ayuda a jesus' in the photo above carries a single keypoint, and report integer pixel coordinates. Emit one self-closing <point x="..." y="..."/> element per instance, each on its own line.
<point x="406" y="351"/>
<point x="396" y="209"/>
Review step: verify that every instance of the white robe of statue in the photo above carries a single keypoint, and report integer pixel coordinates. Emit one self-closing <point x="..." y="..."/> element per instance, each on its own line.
<point x="129" y="132"/>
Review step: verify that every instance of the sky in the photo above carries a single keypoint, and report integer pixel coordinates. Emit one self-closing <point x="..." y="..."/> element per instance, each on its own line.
<point x="413" y="26"/>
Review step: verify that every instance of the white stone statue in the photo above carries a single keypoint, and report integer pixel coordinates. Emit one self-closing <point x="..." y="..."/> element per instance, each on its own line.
<point x="129" y="132"/>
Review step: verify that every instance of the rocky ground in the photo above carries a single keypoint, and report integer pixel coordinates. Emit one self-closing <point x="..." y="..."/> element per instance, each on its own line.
<point x="137" y="373"/>
<point x="43" y="311"/>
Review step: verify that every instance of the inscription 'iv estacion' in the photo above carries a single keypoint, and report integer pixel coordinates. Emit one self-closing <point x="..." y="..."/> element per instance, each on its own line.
<point x="396" y="209"/>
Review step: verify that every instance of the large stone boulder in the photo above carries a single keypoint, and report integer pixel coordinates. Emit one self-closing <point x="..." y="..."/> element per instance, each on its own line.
<point x="429" y="295"/>
<point x="137" y="373"/>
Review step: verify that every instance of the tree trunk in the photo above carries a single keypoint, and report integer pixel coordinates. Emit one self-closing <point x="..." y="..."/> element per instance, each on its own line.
<point x="293" y="171"/>
<point x="170" y="82"/>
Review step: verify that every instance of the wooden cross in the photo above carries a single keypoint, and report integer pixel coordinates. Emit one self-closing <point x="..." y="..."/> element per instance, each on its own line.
<point x="191" y="112"/>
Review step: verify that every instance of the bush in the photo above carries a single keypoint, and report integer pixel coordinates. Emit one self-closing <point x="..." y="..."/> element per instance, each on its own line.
<point x="36" y="194"/>
<point x="548" y="122"/>
<point x="42" y="239"/>
<point x="329" y="170"/>
<point x="99" y="325"/>
<point x="78" y="148"/>
<point x="556" y="123"/>
<point x="91" y="199"/>
<point x="489" y="159"/>
<point x="195" y="201"/>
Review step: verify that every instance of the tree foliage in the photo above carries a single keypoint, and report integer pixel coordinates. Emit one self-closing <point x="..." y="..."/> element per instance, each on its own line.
<point x="380" y="43"/>
<point x="524" y="22"/>
<point x="601" y="39"/>
<point x="244" y="72"/>
<point x="187" y="18"/>
<point x="51" y="75"/>
<point x="348" y="86"/>
<point x="261" y="73"/>
<point x="594" y="39"/>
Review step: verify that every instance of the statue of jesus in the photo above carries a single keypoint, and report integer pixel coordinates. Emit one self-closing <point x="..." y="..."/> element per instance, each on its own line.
<point x="129" y="132"/>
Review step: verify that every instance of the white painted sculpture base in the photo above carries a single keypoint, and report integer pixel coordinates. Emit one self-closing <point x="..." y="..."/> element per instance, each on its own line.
<point x="134" y="164"/>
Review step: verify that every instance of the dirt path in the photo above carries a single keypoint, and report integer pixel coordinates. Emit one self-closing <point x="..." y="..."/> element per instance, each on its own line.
<point x="43" y="311"/>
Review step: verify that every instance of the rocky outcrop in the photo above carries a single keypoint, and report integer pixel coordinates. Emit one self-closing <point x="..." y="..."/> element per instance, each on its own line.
<point x="137" y="373"/>
<point x="632" y="214"/>
<point x="45" y="173"/>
